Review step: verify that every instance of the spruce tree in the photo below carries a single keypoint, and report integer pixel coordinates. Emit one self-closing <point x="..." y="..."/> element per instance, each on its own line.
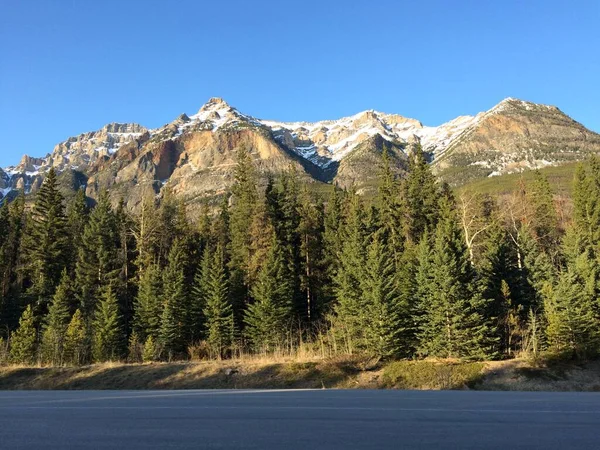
<point x="544" y="218"/>
<point x="586" y="202"/>
<point x="175" y="320"/>
<point x="77" y="342"/>
<point x="23" y="343"/>
<point x="98" y="264"/>
<point x="382" y="301"/>
<point x="420" y="196"/>
<point x="146" y="232"/>
<point x="268" y="318"/>
<point x="452" y="324"/>
<point x="46" y="245"/>
<point x="77" y="218"/>
<point x="390" y="209"/>
<point x="283" y="211"/>
<point x="347" y="282"/>
<point x="57" y="322"/>
<point x="150" y="353"/>
<point x="217" y="310"/>
<point x="244" y="201"/>
<point x="11" y="283"/>
<point x="537" y="271"/>
<point x="572" y="327"/>
<point x="332" y="242"/>
<point x="502" y="285"/>
<point x="312" y="277"/>
<point x="148" y="304"/>
<point x="109" y="340"/>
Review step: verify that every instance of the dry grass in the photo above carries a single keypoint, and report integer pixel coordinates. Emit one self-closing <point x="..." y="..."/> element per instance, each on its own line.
<point x="236" y="374"/>
<point x="523" y="375"/>
<point x="307" y="371"/>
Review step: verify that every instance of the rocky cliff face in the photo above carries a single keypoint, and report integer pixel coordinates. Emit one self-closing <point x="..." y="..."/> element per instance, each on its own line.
<point x="4" y="184"/>
<point x="194" y="156"/>
<point x="512" y="136"/>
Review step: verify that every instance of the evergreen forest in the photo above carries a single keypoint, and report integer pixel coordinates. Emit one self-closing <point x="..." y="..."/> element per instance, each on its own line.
<point x="417" y="271"/>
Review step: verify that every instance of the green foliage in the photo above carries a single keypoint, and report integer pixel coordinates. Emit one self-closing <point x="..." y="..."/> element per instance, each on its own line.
<point x="452" y="324"/>
<point x="268" y="318"/>
<point x="421" y="194"/>
<point x="135" y="349"/>
<point x="46" y="243"/>
<point x="311" y="254"/>
<point x="217" y="310"/>
<point x="108" y="342"/>
<point x="13" y="219"/>
<point x="408" y="273"/>
<point x="77" y="344"/>
<point x="432" y="375"/>
<point x="23" y="344"/>
<point x="347" y="281"/>
<point x="98" y="264"/>
<point x="244" y="200"/>
<point x="150" y="352"/>
<point x="545" y="221"/>
<point x="175" y="326"/>
<point x="572" y="329"/>
<point x="382" y="302"/>
<point x="57" y="322"/>
<point x="148" y="307"/>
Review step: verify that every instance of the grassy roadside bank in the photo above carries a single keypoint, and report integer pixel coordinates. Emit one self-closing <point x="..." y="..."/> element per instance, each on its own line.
<point x="336" y="373"/>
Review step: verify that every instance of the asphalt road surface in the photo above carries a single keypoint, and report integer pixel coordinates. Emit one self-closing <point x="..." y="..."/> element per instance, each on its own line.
<point x="313" y="419"/>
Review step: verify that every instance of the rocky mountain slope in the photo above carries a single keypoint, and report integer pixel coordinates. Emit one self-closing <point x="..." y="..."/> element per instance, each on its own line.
<point x="194" y="156"/>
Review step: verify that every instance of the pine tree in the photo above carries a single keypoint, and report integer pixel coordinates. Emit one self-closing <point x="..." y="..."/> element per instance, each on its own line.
<point x="332" y="242"/>
<point x="572" y="329"/>
<point x="125" y="253"/>
<point x="135" y="348"/>
<point x="244" y="201"/>
<point x="46" y="246"/>
<point x="146" y="233"/>
<point x="77" y="218"/>
<point x="150" y="352"/>
<point x="348" y="292"/>
<point x="421" y="195"/>
<point x="312" y="277"/>
<point x="77" y="344"/>
<point x="11" y="282"/>
<point x="217" y="310"/>
<point x="586" y="202"/>
<point x="57" y="322"/>
<point x="390" y="209"/>
<point x="545" y="221"/>
<point x="268" y="318"/>
<point x="108" y="335"/>
<point x="507" y="292"/>
<point x="23" y="344"/>
<point x="148" y="305"/>
<point x="282" y="204"/>
<point x="175" y="325"/>
<point x="382" y="301"/>
<point x="98" y="264"/>
<point x="452" y="324"/>
<point x="537" y="271"/>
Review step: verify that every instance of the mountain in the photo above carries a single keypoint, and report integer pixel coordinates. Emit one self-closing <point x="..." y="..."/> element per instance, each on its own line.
<point x="194" y="156"/>
<point x="512" y="136"/>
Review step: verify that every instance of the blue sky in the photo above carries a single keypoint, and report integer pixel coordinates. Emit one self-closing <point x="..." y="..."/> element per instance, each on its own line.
<point x="68" y="67"/>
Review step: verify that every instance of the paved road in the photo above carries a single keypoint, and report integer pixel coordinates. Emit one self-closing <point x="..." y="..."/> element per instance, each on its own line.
<point x="319" y="419"/>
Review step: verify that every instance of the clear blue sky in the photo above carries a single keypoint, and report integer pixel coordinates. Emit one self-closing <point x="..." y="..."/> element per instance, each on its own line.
<point x="68" y="67"/>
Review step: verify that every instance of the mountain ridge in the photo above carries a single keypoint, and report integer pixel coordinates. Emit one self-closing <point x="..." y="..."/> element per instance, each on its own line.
<point x="511" y="136"/>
